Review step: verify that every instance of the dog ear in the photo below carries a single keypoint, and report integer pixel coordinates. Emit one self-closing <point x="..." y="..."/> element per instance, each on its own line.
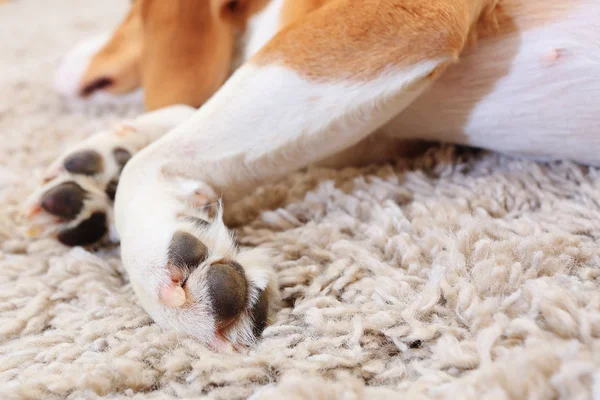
<point x="115" y="68"/>
<point x="188" y="50"/>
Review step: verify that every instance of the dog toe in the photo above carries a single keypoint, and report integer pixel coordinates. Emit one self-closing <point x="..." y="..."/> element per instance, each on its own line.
<point x="64" y="201"/>
<point x="84" y="162"/>
<point x="228" y="290"/>
<point x="260" y="313"/>
<point x="89" y="231"/>
<point x="186" y="251"/>
<point x="122" y="156"/>
<point x="70" y="209"/>
<point x="205" y="285"/>
<point x="74" y="204"/>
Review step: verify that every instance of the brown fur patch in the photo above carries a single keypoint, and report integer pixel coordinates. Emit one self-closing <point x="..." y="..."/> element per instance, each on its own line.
<point x="292" y="10"/>
<point x="360" y="39"/>
<point x="187" y="53"/>
<point x="179" y="51"/>
<point x="187" y="45"/>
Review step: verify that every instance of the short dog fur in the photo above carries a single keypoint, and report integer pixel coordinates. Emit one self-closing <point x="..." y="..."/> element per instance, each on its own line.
<point x="241" y="92"/>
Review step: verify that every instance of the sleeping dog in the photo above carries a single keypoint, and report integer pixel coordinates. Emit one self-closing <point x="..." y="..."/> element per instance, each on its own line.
<point x="318" y="81"/>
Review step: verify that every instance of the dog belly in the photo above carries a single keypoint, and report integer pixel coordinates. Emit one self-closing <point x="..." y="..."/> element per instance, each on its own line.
<point x="533" y="92"/>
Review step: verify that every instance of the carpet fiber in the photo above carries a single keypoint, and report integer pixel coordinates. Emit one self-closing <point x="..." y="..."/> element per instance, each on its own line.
<point x="461" y="275"/>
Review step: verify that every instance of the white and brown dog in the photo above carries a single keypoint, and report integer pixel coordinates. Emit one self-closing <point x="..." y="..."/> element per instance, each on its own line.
<point x="337" y="81"/>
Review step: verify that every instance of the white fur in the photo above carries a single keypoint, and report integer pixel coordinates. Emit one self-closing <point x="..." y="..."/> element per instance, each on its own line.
<point x="513" y="95"/>
<point x="315" y="120"/>
<point x="261" y="28"/>
<point x="282" y="122"/>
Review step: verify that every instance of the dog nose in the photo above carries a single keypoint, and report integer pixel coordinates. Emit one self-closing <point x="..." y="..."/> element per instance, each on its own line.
<point x="95" y="85"/>
<point x="228" y="289"/>
<point x="64" y="200"/>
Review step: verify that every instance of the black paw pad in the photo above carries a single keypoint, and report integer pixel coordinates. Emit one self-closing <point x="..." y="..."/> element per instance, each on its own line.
<point x="122" y="156"/>
<point x="260" y="313"/>
<point x="111" y="189"/>
<point x="84" y="162"/>
<point x="87" y="232"/>
<point x="186" y="250"/>
<point x="64" y="200"/>
<point x="228" y="289"/>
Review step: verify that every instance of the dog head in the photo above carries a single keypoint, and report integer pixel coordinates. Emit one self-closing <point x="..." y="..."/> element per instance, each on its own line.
<point x="177" y="51"/>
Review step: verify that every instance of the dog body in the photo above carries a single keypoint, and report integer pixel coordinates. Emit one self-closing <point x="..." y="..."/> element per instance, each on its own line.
<point x="339" y="81"/>
<point x="523" y="88"/>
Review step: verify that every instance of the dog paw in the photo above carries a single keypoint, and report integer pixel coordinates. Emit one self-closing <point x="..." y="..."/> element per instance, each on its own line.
<point x="74" y="203"/>
<point x="213" y="290"/>
<point x="183" y="262"/>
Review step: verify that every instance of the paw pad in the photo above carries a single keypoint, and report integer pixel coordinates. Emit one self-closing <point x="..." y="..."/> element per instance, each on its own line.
<point x="85" y="162"/>
<point x="111" y="189"/>
<point x="87" y="232"/>
<point x="260" y="313"/>
<point x="64" y="201"/>
<point x="122" y="156"/>
<point x="186" y="251"/>
<point x="228" y="290"/>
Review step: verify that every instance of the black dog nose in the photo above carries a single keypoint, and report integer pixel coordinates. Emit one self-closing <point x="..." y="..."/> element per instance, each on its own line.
<point x="64" y="200"/>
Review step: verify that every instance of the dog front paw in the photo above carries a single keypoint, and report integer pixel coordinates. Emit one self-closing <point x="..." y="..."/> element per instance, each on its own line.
<point x="184" y="263"/>
<point x="74" y="204"/>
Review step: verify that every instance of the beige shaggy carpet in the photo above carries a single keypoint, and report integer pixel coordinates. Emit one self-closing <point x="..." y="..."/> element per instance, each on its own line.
<point x="460" y="275"/>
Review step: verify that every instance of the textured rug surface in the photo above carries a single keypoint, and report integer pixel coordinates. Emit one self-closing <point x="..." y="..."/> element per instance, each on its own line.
<point x="458" y="275"/>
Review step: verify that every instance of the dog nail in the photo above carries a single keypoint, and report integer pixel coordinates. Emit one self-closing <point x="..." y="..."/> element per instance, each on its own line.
<point x="85" y="162"/>
<point x="64" y="200"/>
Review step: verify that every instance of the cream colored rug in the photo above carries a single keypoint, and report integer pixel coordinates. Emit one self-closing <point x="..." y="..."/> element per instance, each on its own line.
<point x="461" y="275"/>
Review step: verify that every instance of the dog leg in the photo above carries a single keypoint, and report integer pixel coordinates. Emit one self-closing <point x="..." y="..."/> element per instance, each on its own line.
<point x="318" y="87"/>
<point x="75" y="202"/>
